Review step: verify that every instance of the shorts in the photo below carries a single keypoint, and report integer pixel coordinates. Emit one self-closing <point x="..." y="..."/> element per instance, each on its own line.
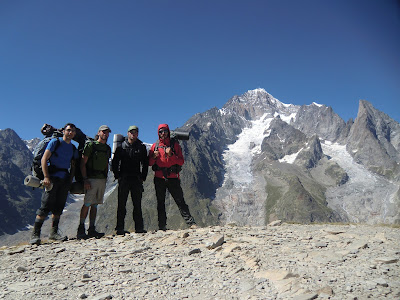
<point x="96" y="194"/>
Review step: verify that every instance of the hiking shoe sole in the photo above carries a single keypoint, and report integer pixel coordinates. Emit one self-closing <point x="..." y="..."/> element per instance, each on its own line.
<point x="35" y="241"/>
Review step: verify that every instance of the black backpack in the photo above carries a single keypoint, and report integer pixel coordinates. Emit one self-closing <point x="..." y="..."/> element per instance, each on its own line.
<point x="38" y="154"/>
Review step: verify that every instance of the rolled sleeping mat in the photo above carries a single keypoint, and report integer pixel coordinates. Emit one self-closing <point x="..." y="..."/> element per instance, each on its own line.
<point x="180" y="135"/>
<point x="77" y="188"/>
<point x="117" y="142"/>
<point x="32" y="181"/>
<point x="35" y="182"/>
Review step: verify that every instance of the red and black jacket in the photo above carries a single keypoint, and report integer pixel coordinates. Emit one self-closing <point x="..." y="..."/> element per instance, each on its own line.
<point x="165" y="166"/>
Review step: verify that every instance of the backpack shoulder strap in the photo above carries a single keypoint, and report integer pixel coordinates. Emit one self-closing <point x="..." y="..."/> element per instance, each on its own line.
<point x="58" y="143"/>
<point x="54" y="152"/>
<point x="108" y="150"/>
<point x="172" y="144"/>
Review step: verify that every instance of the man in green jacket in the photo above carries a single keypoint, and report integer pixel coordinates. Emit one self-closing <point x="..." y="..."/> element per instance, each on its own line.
<point x="94" y="168"/>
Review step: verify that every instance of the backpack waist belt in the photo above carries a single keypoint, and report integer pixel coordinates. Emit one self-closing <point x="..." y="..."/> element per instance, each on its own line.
<point x="166" y="171"/>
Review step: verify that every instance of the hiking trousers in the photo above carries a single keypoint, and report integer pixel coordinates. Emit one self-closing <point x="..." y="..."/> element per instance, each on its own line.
<point x="174" y="187"/>
<point x="135" y="187"/>
<point x="54" y="200"/>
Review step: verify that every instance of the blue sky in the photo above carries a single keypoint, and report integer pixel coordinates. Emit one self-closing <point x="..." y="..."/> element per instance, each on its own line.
<point x="148" y="62"/>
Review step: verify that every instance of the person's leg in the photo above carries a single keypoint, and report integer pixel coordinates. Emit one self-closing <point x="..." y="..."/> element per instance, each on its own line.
<point x="47" y="204"/>
<point x="123" y="191"/>
<point x="161" y="189"/>
<point x="136" y="195"/>
<point x="92" y="215"/>
<point x="98" y="187"/>
<point x="54" y="233"/>
<point x="81" y="233"/>
<point x="174" y="187"/>
<point x="62" y="187"/>
<point x="37" y="227"/>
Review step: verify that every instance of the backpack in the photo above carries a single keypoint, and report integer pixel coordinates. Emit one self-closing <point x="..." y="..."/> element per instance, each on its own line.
<point x="38" y="154"/>
<point x="94" y="166"/>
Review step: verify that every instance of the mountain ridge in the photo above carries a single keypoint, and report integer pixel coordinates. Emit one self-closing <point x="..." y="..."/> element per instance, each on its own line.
<point x="257" y="160"/>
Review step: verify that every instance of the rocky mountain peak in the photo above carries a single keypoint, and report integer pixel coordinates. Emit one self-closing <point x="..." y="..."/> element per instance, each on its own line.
<point x="374" y="141"/>
<point x="254" y="104"/>
<point x="17" y="202"/>
<point x="320" y="120"/>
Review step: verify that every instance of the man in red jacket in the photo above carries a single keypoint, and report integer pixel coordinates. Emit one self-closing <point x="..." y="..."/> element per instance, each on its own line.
<point x="166" y="159"/>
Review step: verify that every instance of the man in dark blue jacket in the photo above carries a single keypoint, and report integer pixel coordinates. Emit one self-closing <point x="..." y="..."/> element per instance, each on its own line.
<point x="130" y="166"/>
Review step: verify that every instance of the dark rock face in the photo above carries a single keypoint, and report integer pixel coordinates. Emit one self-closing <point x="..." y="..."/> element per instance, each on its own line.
<point x="319" y="120"/>
<point x="18" y="203"/>
<point x="374" y="141"/>
<point x="310" y="156"/>
<point x="282" y="140"/>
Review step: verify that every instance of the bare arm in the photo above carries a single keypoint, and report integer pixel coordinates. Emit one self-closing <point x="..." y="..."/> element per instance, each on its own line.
<point x="86" y="182"/>
<point x="45" y="168"/>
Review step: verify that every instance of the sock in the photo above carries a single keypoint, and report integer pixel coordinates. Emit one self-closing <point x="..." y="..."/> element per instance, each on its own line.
<point x="92" y="223"/>
<point x="38" y="220"/>
<point x="38" y="225"/>
<point x="55" y="222"/>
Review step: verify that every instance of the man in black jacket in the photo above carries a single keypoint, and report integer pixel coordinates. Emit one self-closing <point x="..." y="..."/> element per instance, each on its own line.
<point x="130" y="166"/>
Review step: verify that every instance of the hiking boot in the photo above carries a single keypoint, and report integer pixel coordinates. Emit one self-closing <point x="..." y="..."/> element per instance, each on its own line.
<point x="93" y="233"/>
<point x="163" y="228"/>
<point x="140" y="231"/>
<point x="35" y="239"/>
<point x="55" y="236"/>
<point x="81" y="234"/>
<point x="122" y="232"/>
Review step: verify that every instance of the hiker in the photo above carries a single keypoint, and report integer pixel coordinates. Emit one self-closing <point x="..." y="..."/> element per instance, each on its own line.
<point x="166" y="159"/>
<point x="58" y="170"/>
<point x="130" y="166"/>
<point x="94" y="169"/>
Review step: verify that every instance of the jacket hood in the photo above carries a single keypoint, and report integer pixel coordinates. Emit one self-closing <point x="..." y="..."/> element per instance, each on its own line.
<point x="166" y="140"/>
<point x="163" y="126"/>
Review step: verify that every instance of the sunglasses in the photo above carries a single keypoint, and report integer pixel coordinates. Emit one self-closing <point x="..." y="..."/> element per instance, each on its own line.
<point x="163" y="131"/>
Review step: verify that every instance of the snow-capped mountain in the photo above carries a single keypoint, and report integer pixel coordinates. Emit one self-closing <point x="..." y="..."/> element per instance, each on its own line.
<point x="268" y="160"/>
<point x="256" y="160"/>
<point x="31" y="144"/>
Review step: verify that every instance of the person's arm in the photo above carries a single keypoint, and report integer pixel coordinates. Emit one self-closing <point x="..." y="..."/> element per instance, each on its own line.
<point x="72" y="173"/>
<point x="153" y="155"/>
<point x="175" y="157"/>
<point x="86" y="182"/>
<point x="115" y="163"/>
<point x="145" y="163"/>
<point x="45" y="168"/>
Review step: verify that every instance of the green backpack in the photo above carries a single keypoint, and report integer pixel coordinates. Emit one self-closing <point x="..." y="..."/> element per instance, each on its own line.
<point x="98" y="160"/>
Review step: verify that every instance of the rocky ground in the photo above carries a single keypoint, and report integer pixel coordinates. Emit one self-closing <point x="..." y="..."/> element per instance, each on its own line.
<point x="279" y="261"/>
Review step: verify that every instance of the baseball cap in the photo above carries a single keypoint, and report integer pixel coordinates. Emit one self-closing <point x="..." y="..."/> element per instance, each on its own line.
<point x="133" y="127"/>
<point x="104" y="127"/>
